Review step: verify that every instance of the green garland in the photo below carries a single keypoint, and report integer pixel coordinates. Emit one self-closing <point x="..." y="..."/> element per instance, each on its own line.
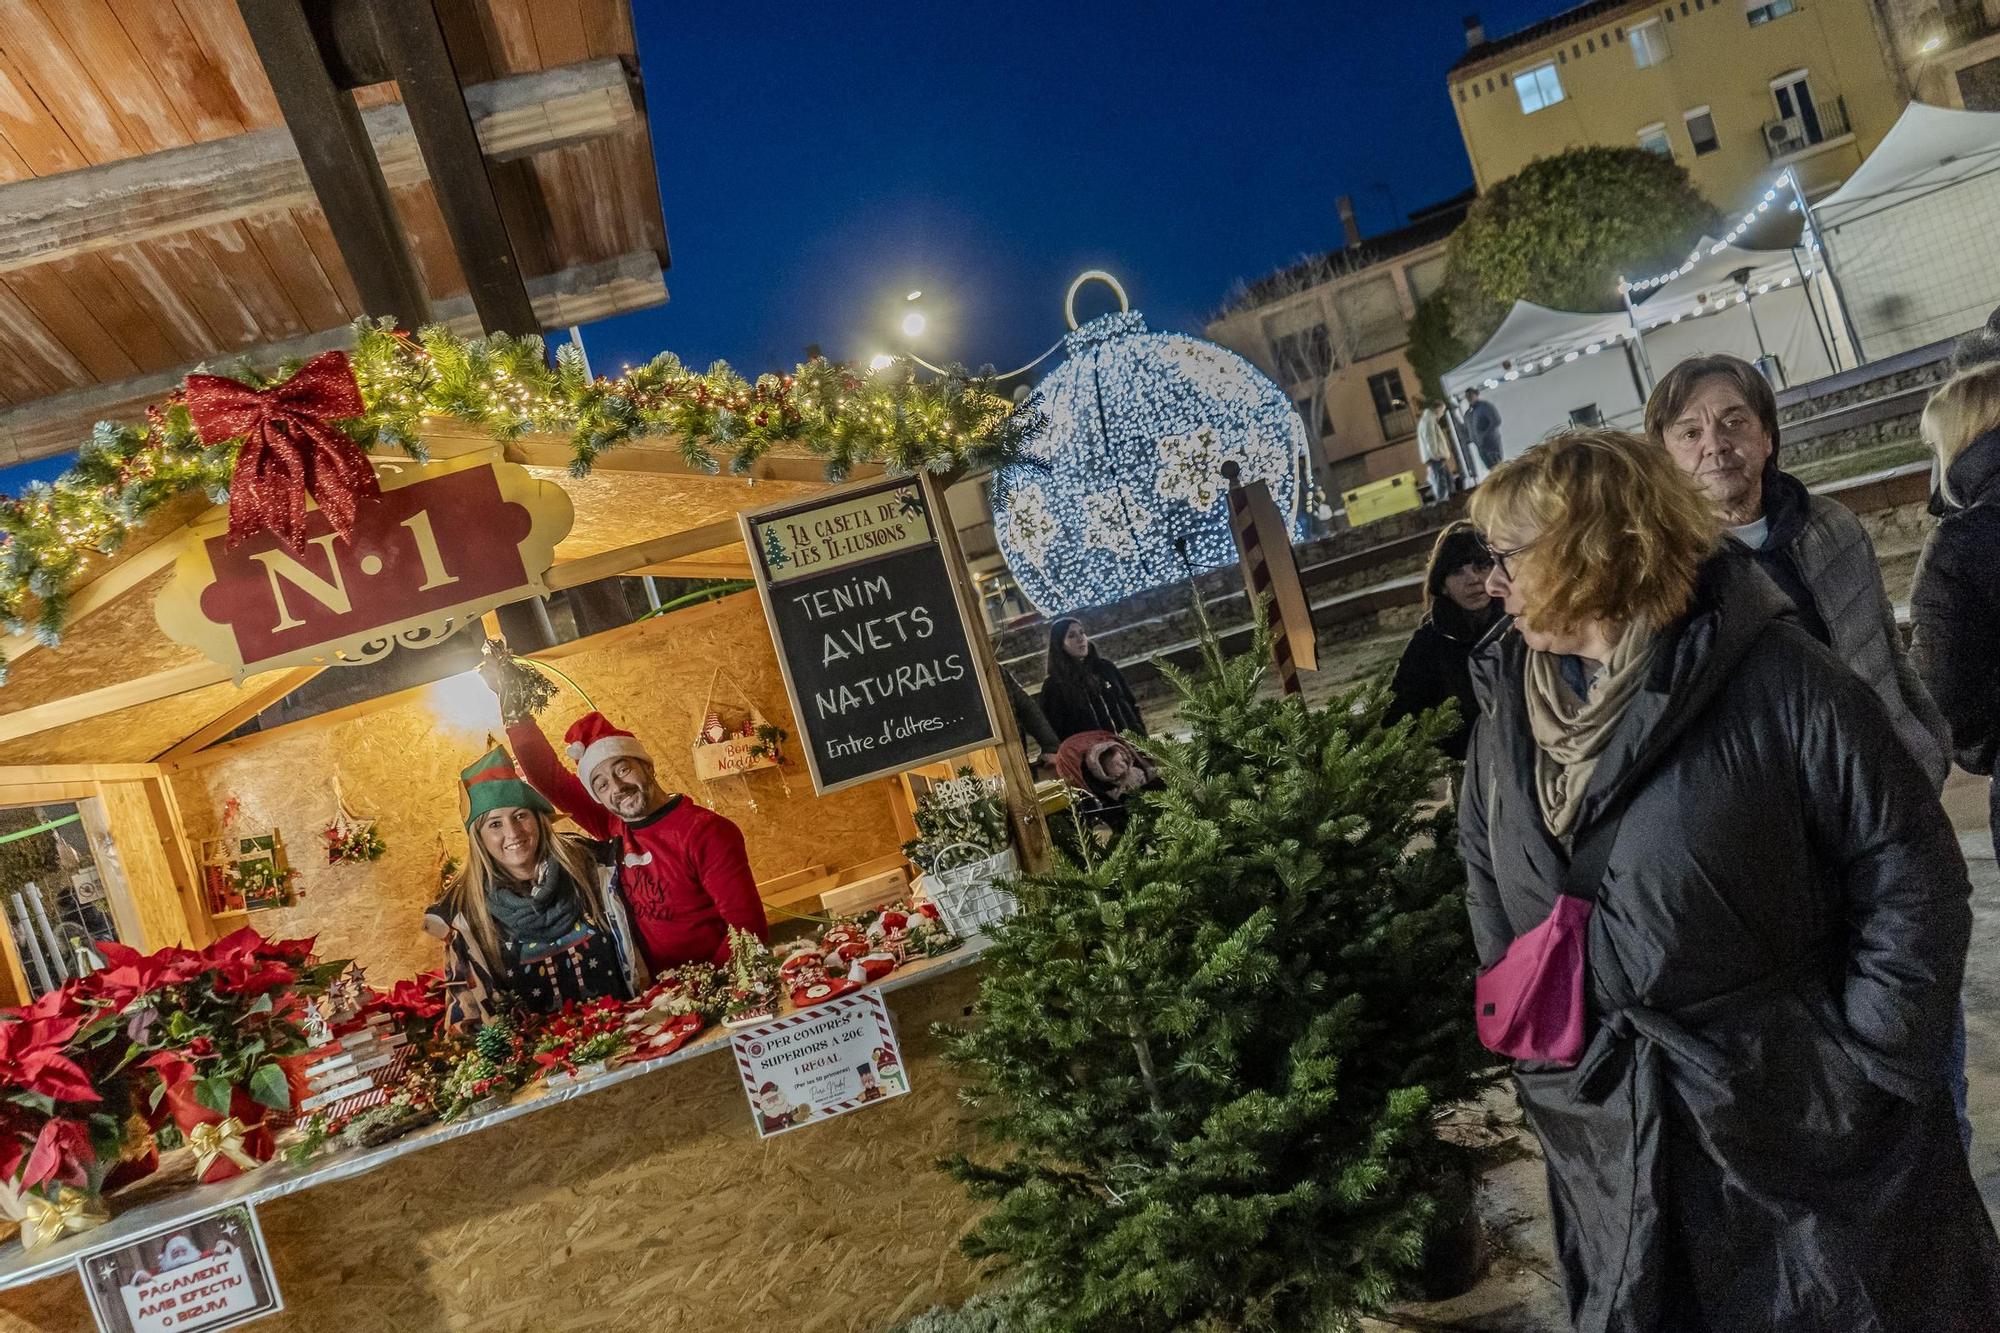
<point x="502" y="385"/>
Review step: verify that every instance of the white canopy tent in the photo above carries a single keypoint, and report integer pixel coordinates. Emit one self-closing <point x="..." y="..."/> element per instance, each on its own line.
<point x="1911" y="235"/>
<point x="1545" y="369"/>
<point x="1705" y="311"/>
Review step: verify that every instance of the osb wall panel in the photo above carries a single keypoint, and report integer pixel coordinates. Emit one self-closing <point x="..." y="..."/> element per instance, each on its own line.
<point x="133" y="735"/>
<point x="616" y="509"/>
<point x="649" y="1206"/>
<point x="401" y="765"/>
<point x="119" y="643"/>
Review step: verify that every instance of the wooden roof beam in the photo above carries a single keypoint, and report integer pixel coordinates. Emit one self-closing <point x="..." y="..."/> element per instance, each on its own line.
<point x="48" y="218"/>
<point x="61" y="423"/>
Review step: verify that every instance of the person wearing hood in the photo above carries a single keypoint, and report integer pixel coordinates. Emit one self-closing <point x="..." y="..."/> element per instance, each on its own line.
<point x="1717" y="417"/>
<point x="1955" y="602"/>
<point x="1085" y="691"/>
<point x="533" y="921"/>
<point x="1458" y="613"/>
<point x="1743" y="1110"/>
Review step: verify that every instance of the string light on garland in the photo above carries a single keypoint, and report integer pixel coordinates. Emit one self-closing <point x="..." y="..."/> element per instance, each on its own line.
<point x="128" y="471"/>
<point x="1138" y="425"/>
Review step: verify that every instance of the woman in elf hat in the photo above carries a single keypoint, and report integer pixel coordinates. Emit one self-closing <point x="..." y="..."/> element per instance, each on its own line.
<point x="531" y="922"/>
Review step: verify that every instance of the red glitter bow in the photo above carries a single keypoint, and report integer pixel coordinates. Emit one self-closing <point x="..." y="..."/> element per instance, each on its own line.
<point x="291" y="448"/>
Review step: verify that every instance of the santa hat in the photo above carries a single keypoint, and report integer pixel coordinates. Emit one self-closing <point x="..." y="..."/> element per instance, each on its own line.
<point x="594" y="742"/>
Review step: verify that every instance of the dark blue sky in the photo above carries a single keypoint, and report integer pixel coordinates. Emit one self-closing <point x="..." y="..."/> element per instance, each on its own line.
<point x="816" y="164"/>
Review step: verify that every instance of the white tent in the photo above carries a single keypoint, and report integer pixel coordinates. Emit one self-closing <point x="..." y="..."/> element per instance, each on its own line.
<point x="1705" y="311"/>
<point x="1912" y="236"/>
<point x="1545" y="369"/>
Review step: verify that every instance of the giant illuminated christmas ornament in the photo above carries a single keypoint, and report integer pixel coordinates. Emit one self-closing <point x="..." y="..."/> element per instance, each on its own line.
<point x="1122" y="489"/>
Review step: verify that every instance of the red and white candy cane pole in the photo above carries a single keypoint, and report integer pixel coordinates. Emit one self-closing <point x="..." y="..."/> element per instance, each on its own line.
<point x="1257" y="574"/>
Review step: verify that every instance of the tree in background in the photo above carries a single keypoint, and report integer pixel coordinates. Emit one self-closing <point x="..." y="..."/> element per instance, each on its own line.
<point x="1561" y="231"/>
<point x="1434" y="347"/>
<point x="1214" y="1054"/>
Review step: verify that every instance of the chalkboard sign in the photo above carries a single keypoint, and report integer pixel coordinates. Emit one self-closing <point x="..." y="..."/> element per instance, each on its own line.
<point x="876" y="654"/>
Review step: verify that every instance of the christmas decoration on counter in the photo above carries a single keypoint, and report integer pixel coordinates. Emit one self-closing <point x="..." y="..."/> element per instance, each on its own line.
<point x="1138" y="426"/>
<point x="581" y="1041"/>
<point x="127" y="471"/>
<point x="496" y="1066"/>
<point x="291" y="447"/>
<point x="752" y="993"/>
<point x="964" y="812"/>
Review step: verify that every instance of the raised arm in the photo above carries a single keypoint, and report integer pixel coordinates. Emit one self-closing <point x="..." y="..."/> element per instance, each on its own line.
<point x="547" y="775"/>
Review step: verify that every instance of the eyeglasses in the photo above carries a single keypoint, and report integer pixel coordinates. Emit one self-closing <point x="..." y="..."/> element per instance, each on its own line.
<point x="1501" y="557"/>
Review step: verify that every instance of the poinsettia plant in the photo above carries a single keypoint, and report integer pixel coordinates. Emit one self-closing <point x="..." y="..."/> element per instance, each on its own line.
<point x="65" y="1090"/>
<point x="415" y="1005"/>
<point x="221" y="1017"/>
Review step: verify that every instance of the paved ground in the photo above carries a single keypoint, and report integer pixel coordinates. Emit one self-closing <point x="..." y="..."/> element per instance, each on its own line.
<point x="1521" y="1293"/>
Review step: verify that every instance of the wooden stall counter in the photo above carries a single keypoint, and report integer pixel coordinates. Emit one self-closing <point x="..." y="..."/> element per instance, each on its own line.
<point x="642" y="1197"/>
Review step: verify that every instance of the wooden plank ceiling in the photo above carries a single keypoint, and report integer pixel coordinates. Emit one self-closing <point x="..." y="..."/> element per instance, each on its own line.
<point x="88" y="82"/>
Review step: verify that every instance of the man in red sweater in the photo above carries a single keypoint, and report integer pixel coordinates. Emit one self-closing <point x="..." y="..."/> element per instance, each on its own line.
<point x="683" y="873"/>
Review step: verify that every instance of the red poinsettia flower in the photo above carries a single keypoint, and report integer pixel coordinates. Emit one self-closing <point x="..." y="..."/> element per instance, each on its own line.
<point x="128" y="974"/>
<point x="32" y="1049"/>
<point x="251" y="976"/>
<point x="61" y="1152"/>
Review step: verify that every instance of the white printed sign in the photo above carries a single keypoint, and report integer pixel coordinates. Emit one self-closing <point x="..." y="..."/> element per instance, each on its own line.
<point x="820" y="1062"/>
<point x="189" y="1277"/>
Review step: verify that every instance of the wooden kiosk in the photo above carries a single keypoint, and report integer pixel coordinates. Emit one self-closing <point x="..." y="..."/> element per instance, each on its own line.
<point x="644" y="1198"/>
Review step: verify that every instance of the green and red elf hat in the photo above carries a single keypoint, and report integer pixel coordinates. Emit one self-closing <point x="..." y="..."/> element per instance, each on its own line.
<point x="495" y="784"/>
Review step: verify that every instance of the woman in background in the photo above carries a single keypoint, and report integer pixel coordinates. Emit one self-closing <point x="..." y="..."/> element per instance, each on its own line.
<point x="1458" y="613"/>
<point x="1085" y="690"/>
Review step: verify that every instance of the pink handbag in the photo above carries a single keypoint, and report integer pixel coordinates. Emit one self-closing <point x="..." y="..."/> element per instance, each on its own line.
<point x="1531" y="1005"/>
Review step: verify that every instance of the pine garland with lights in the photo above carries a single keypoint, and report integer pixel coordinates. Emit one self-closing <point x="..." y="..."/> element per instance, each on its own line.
<point x="128" y="471"/>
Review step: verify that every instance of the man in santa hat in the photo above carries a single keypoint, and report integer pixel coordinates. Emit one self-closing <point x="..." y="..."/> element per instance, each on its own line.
<point x="682" y="868"/>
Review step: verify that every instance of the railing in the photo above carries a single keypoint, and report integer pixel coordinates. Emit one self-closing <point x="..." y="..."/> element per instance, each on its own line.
<point x="1397" y="423"/>
<point x="1783" y="138"/>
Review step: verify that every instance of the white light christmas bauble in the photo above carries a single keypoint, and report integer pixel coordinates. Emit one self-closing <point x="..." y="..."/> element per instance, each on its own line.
<point x="1138" y="426"/>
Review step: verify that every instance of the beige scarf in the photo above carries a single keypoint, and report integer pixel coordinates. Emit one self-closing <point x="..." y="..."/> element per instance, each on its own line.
<point x="1571" y="733"/>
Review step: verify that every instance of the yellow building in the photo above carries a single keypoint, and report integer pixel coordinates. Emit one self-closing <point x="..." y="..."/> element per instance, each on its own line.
<point x="1733" y="90"/>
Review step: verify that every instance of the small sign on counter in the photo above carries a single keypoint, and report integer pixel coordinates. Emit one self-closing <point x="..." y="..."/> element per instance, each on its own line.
<point x="877" y="655"/>
<point x="820" y="1062"/>
<point x="190" y="1277"/>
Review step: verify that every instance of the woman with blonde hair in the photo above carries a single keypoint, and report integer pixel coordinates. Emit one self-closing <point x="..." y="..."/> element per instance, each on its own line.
<point x="1955" y="602"/>
<point x="532" y="922"/>
<point x="1722" y="923"/>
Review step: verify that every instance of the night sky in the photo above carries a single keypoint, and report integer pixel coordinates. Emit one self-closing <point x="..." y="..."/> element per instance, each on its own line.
<point x="816" y="164"/>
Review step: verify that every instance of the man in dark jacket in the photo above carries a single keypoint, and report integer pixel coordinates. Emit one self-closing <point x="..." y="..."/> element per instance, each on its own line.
<point x="1482" y="422"/>
<point x="1717" y="417"/>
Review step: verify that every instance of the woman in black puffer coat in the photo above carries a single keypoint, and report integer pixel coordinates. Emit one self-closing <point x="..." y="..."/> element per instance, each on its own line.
<point x="1085" y="690"/>
<point x="1458" y="611"/>
<point x="1955" y="602"/>
<point x="1758" y="1135"/>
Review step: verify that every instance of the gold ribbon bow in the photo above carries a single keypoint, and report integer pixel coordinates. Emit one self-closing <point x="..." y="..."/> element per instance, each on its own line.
<point x="45" y="1221"/>
<point x="211" y="1141"/>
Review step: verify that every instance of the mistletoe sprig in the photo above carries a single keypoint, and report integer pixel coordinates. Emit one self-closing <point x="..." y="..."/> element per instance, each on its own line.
<point x="503" y="386"/>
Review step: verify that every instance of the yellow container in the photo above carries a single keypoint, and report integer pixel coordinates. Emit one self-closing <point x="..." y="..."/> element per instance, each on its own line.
<point x="1379" y="499"/>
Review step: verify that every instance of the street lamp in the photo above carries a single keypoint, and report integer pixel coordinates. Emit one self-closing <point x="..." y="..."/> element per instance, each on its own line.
<point x="913" y="324"/>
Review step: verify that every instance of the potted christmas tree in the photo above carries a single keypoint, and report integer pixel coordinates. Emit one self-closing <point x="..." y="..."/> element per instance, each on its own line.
<point x="1214" y="1055"/>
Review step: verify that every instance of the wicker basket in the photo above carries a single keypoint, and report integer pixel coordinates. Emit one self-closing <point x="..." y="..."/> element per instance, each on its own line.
<point x="968" y="895"/>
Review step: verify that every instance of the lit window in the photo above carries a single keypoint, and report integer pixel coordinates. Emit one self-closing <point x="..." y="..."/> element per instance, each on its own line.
<point x="1649" y="44"/>
<point x="1701" y="131"/>
<point x="1654" y="139"/>
<point x="1538" y="87"/>
<point x="1764" y="13"/>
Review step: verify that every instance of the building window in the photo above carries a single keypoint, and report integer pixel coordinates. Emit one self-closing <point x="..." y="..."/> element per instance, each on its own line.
<point x="1667" y="14"/>
<point x="1461" y="94"/>
<point x="1701" y="131"/>
<point x="1538" y="87"/>
<point x="1576" y="49"/>
<point x="1587" y="417"/>
<point x="1654" y="139"/>
<point x="1649" y="44"/>
<point x="1590" y="45"/>
<point x="1489" y="85"/>
<point x="1475" y="90"/>
<point x="1764" y="13"/>
<point x="1392" y="406"/>
<point x="1370" y="315"/>
<point x="1303" y="355"/>
<point x="1684" y="8"/>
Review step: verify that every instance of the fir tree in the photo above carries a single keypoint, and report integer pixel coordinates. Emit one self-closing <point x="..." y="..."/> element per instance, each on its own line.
<point x="1215" y="1053"/>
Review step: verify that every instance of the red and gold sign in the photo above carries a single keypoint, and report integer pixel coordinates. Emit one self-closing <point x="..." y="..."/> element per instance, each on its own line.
<point x="441" y="544"/>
